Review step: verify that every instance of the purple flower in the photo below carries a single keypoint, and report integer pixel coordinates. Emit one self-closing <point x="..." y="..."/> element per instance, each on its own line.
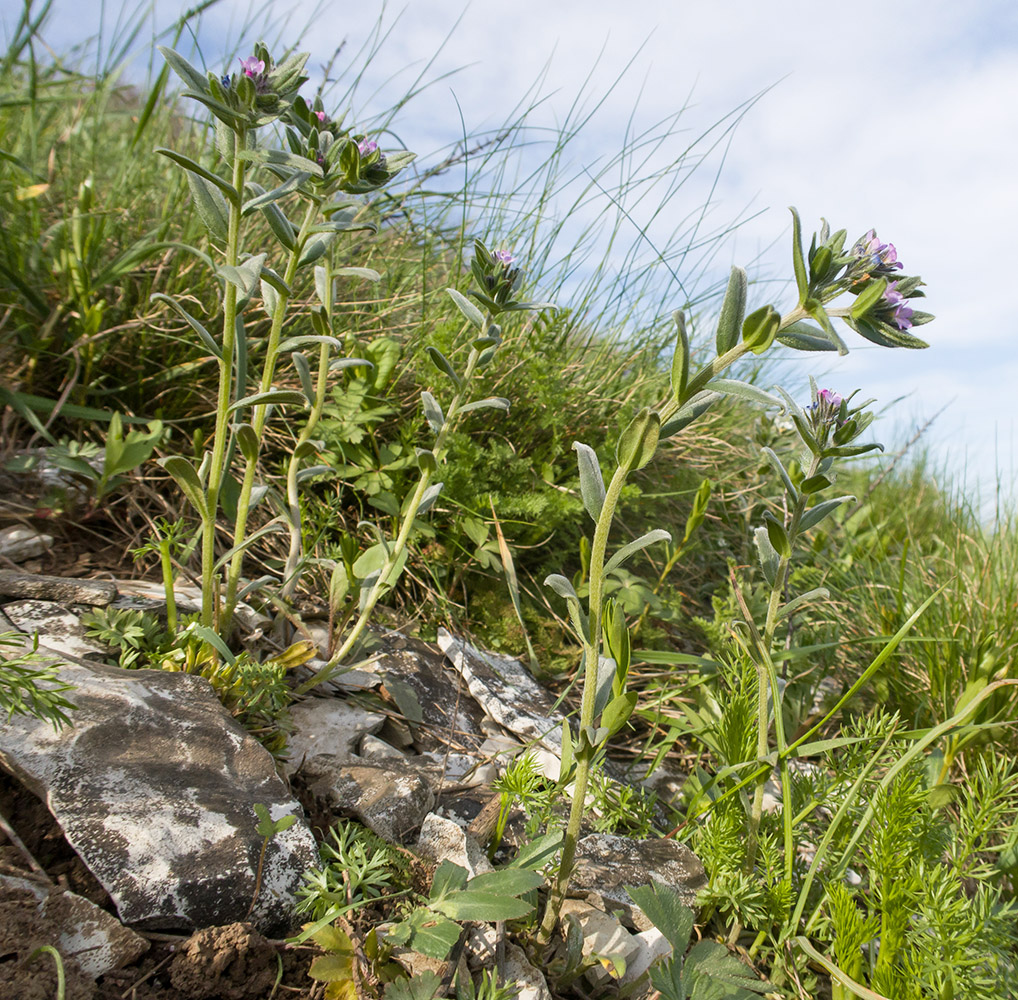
<point x="830" y="398"/>
<point x="226" y="81"/>
<point x="503" y="257"/>
<point x="366" y="147"/>
<point x="322" y="117"/>
<point x="901" y="311"/>
<point x="252" y="66"/>
<point x="879" y="255"/>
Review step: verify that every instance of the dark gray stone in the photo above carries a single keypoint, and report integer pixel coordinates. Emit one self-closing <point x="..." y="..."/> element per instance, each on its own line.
<point x="387" y="796"/>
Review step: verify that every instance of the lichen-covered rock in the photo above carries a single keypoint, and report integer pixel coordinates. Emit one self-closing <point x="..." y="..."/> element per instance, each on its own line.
<point x="154" y="786"/>
<point x="14" y="584"/>
<point x="606" y="864"/>
<point x="388" y="796"/>
<point x="328" y="725"/>
<point x="58" y="628"/>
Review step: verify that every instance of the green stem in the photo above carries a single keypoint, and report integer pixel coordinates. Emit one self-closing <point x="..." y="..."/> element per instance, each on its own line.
<point x="584" y="757"/>
<point x="167" y="570"/>
<point x="396" y="549"/>
<point x="260" y="415"/>
<point x="216" y="471"/>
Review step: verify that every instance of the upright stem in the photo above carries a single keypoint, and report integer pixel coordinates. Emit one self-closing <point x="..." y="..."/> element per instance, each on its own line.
<point x="216" y="471"/>
<point x="584" y="756"/>
<point x="260" y="415"/>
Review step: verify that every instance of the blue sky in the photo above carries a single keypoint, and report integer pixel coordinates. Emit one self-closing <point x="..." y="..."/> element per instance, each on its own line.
<point x="900" y="117"/>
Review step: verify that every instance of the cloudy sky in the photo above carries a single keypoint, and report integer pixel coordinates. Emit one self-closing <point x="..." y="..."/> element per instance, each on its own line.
<point x="900" y="117"/>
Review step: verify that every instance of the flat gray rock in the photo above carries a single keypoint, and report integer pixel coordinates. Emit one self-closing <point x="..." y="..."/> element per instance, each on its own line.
<point x="387" y="796"/>
<point x="20" y="542"/>
<point x="507" y="692"/>
<point x="606" y="863"/>
<point x="59" y="629"/>
<point x="14" y="584"/>
<point x="154" y="786"/>
<point x="328" y="725"/>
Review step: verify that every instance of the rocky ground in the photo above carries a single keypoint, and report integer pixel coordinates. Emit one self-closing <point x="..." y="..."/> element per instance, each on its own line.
<point x="129" y="839"/>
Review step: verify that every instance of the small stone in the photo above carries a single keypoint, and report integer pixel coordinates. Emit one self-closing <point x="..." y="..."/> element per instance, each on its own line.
<point x="97" y="941"/>
<point x="389" y="797"/>
<point x="97" y="593"/>
<point x="20" y="542"/>
<point x="443" y="839"/>
<point x="60" y="631"/>
<point x="482" y="953"/>
<point x="606" y="863"/>
<point x="328" y="725"/>
<point x="605" y="937"/>
<point x="374" y="748"/>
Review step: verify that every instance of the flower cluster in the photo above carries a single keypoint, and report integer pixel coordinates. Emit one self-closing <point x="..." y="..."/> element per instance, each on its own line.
<point x="900" y="312"/>
<point x="826" y="409"/>
<point x="497" y="277"/>
<point x="879" y="259"/>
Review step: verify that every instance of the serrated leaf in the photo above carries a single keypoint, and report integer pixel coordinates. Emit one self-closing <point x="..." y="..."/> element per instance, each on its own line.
<point x="424" y="985"/>
<point x="465" y="306"/>
<point x="591" y="481"/>
<point x="663" y="906"/>
<point x="733" y="310"/>
<point x="657" y="535"/>
<point x="816" y="514"/>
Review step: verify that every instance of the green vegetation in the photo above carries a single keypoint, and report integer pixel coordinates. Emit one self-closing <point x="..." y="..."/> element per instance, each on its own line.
<point x="441" y="448"/>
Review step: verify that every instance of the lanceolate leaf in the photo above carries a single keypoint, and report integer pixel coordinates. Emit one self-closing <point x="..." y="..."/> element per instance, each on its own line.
<point x="280" y="225"/>
<point x="489" y="403"/>
<point x="442" y="363"/>
<point x="433" y="412"/>
<point x="367" y="273"/>
<point x="816" y="514"/>
<point x="211" y="206"/>
<point x="811" y="597"/>
<point x="696" y="406"/>
<point x="431" y="494"/>
<point x="638" y="441"/>
<point x="732" y="387"/>
<point x="804" y="337"/>
<point x="779" y="468"/>
<point x="206" y="337"/>
<point x="733" y="310"/>
<point x="680" y="358"/>
<point x="657" y="535"/>
<point x="591" y="481"/>
<point x="798" y="263"/>
<point x="268" y="197"/>
<point x="197" y="170"/>
<point x="564" y="588"/>
<point x="281" y="158"/>
<point x="273" y="396"/>
<point x="469" y="310"/>
<point x="187" y="479"/>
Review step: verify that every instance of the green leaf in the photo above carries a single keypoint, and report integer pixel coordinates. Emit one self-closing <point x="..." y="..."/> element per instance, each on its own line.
<point x="712" y="973"/>
<point x="448" y="877"/>
<point x="434" y="935"/>
<point x="194" y="78"/>
<point x="638" y="441"/>
<point x="469" y="310"/>
<point x="798" y="263"/>
<point x="425" y="985"/>
<point x="618" y="711"/>
<point x="591" y="481"/>
<point x="767" y="555"/>
<point x="564" y="588"/>
<point x="431" y="494"/>
<point x="695" y="407"/>
<point x="300" y="363"/>
<point x="441" y="362"/>
<point x="733" y="309"/>
<point x="868" y="298"/>
<point x="699" y="509"/>
<point x="426" y="460"/>
<point x="537" y="853"/>
<point x="816" y="514"/>
<point x="281" y="158"/>
<point x="316" y="248"/>
<point x="490" y="403"/>
<point x="804" y="337"/>
<point x="186" y="477"/>
<point x="282" y="228"/>
<point x="197" y="170"/>
<point x="743" y="390"/>
<point x="207" y="339"/>
<point x="212" y="638"/>
<point x="273" y="396"/>
<point x="245" y="276"/>
<point x="777" y="535"/>
<point x="779" y="468"/>
<point x="471" y="905"/>
<point x="514" y="881"/>
<point x="657" y="535"/>
<point x="367" y="273"/>
<point x="211" y="206"/>
<point x="292" y="343"/>
<point x="433" y="412"/>
<point x="264" y="198"/>
<point x="247" y="441"/>
<point x="760" y="329"/>
<point x="663" y="906"/>
<point x="680" y="356"/>
<point x="810" y="597"/>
